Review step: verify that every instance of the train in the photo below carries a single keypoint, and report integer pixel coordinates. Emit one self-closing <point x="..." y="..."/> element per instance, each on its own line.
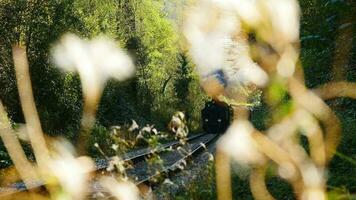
<point x="216" y="117"/>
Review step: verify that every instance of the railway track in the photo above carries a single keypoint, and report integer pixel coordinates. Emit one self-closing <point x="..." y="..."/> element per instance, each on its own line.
<point x="140" y="172"/>
<point x="139" y="154"/>
<point x="171" y="160"/>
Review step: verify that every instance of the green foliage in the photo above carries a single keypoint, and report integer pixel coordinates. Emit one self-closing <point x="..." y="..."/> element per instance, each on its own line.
<point x="261" y="117"/>
<point x="139" y="26"/>
<point x="202" y="185"/>
<point x="191" y="99"/>
<point x="100" y="137"/>
<point x="165" y="80"/>
<point x="37" y="24"/>
<point x="184" y="78"/>
<point x="160" y="42"/>
<point x="98" y="17"/>
<point x="322" y="21"/>
<point x="342" y="172"/>
<point x="196" y="99"/>
<point x="340" y="193"/>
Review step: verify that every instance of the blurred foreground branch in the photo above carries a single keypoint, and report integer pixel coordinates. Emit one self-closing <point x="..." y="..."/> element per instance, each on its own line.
<point x="23" y="166"/>
<point x="33" y="124"/>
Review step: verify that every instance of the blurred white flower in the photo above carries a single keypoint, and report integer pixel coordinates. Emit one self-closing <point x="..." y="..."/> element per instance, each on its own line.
<point x="203" y="145"/>
<point x="247" y="10"/>
<point x="115" y="130"/>
<point x="312" y="176"/>
<point x="213" y="24"/>
<point x="286" y="170"/>
<point x="239" y="67"/>
<point x="181" y="132"/>
<point x="285" y="18"/>
<point x="180" y="165"/>
<point x="183" y="162"/>
<point x="178" y="126"/>
<point x="116" y="162"/>
<point x="123" y="190"/>
<point x="154" y="131"/>
<point x="146" y="129"/>
<point x="211" y="157"/>
<point x="96" y="61"/>
<point x="175" y="123"/>
<point x="115" y="147"/>
<point x="182" y="151"/>
<point x="113" y="61"/>
<point x="287" y="62"/>
<point x="238" y="143"/>
<point x="98" y="195"/>
<point x="133" y="126"/>
<point x="167" y="181"/>
<point x="22" y="133"/>
<point x="206" y="31"/>
<point x="282" y="14"/>
<point x="316" y="193"/>
<point x="140" y="136"/>
<point x="217" y="43"/>
<point x="72" y="173"/>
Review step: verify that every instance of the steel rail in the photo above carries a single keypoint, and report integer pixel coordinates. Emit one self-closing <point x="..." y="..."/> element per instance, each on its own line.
<point x="100" y="165"/>
<point x="173" y="167"/>
<point x="141" y="153"/>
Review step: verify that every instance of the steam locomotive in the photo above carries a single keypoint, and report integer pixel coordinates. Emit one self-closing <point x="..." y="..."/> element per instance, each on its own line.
<point x="216" y="117"/>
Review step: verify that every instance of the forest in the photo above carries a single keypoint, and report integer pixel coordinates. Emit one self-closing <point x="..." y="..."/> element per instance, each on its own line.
<point x="167" y="78"/>
<point x="163" y="84"/>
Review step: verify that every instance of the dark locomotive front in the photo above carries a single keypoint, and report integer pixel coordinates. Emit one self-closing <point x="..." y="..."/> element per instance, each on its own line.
<point x="216" y="117"/>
